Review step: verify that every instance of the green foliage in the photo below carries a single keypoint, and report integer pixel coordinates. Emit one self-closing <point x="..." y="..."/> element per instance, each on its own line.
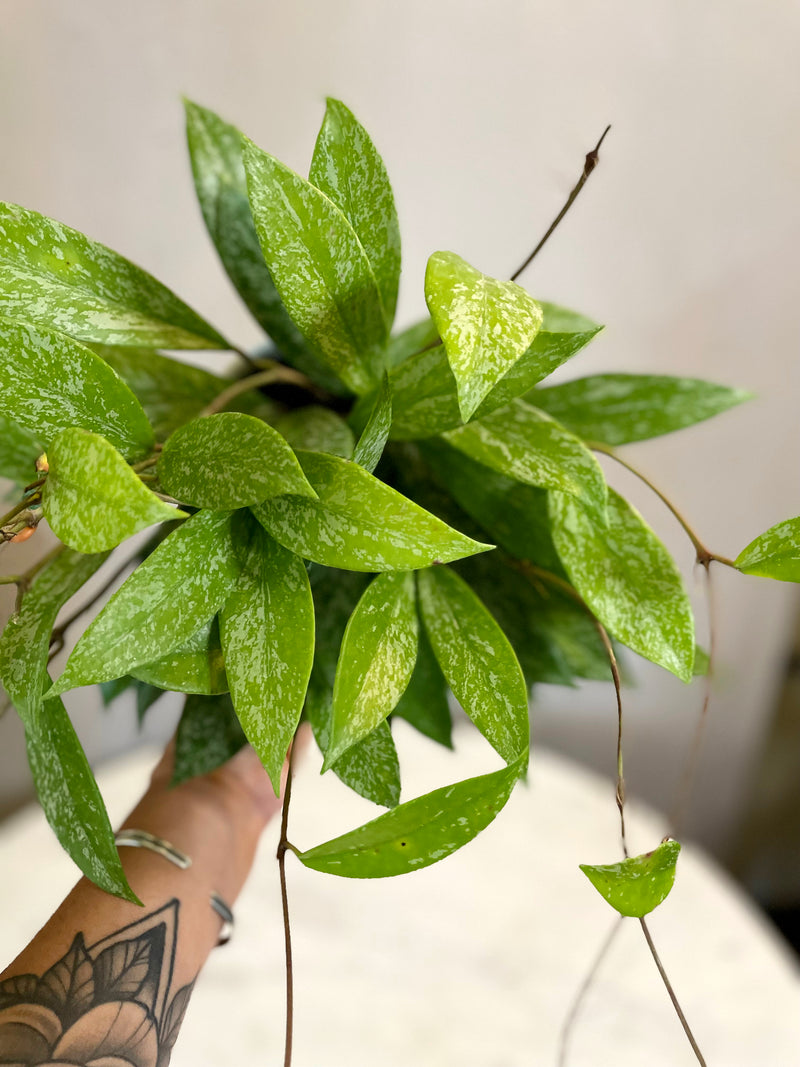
<point x="317" y="429"/>
<point x="637" y="885"/>
<point x="208" y="735"/>
<point x="373" y="439"/>
<point x="197" y="666"/>
<point x="775" y="553"/>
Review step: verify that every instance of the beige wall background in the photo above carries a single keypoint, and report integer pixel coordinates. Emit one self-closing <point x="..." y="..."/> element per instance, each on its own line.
<point x="684" y="244"/>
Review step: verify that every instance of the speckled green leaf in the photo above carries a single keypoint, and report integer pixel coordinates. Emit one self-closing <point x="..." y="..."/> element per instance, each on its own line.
<point x="476" y="659"/>
<point x="196" y="667"/>
<point x="637" y="885"/>
<point x="408" y="342"/>
<point x="48" y="382"/>
<point x="358" y="523"/>
<point x="229" y="461"/>
<point x="166" y="600"/>
<point x="419" y="832"/>
<point x="616" y="409"/>
<point x="376" y="433"/>
<point x="775" y="553"/>
<point x="92" y="499"/>
<point x="145" y="694"/>
<point x="558" y="319"/>
<point x="19" y="450"/>
<point x="377" y="659"/>
<point x="208" y="735"/>
<point x="528" y="446"/>
<point x="485" y="324"/>
<point x="25" y="641"/>
<point x="53" y="276"/>
<point x="628" y="579"/>
<point x="424" y="704"/>
<point x="317" y="429"/>
<point x="267" y="627"/>
<point x="347" y="168"/>
<point x="319" y="268"/>
<point x="72" y="802"/>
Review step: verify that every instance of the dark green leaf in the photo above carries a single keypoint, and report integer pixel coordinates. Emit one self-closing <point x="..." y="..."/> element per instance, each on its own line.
<point x="208" y="735"/>
<point x="319" y="268"/>
<point x="317" y="429"/>
<point x="267" y="627"/>
<point x="229" y="461"/>
<point x="146" y="695"/>
<point x="377" y="659"/>
<point x="424" y="703"/>
<point x="25" y="641"/>
<point x="48" y="382"/>
<point x="71" y="800"/>
<point x="19" y="450"/>
<point x="109" y="691"/>
<point x="637" y="885"/>
<point x="358" y="522"/>
<point x="92" y="499"/>
<point x="616" y="409"/>
<point x="477" y="660"/>
<point x="775" y="553"/>
<point x="628" y="579"/>
<point x="55" y="277"/>
<point x="410" y="341"/>
<point x="376" y="433"/>
<point x="197" y="666"/>
<point x="419" y="832"/>
<point x="348" y="169"/>
<point x="528" y="446"/>
<point x="162" y="604"/>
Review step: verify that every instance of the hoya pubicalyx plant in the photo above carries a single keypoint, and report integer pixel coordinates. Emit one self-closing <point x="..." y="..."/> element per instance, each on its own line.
<point x="358" y="524"/>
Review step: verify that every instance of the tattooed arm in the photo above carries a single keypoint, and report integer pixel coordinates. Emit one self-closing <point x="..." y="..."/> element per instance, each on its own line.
<point x="105" y="983"/>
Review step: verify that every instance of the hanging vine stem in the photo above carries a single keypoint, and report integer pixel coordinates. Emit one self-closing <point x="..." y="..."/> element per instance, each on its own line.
<point x="274" y="373"/>
<point x="571" y="1017"/>
<point x="668" y="985"/>
<point x="283" y="846"/>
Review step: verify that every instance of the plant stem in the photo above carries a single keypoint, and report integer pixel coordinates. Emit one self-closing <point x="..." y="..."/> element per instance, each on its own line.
<point x="591" y="161"/>
<point x="283" y="846"/>
<point x="240" y="352"/>
<point x="275" y="373"/>
<point x="583" y="989"/>
<point x="671" y="991"/>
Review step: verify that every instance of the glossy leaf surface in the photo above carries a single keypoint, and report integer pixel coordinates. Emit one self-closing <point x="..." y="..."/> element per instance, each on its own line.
<point x="424" y="704"/>
<point x="419" y="832"/>
<point x="408" y="342"/>
<point x="477" y="660"/>
<point x="347" y="168"/>
<point x="166" y="600"/>
<point x="775" y="553"/>
<point x="19" y="450"/>
<point x="320" y="269"/>
<point x="197" y="666"/>
<point x="92" y="499"/>
<point x="376" y="433"/>
<point x="628" y="579"/>
<point x="317" y="429"/>
<point x="376" y="662"/>
<point x="48" y="382"/>
<point x="616" y="409"/>
<point x="54" y="277"/>
<point x="229" y="460"/>
<point x="267" y="628"/>
<point x="485" y="324"/>
<point x="72" y="802"/>
<point x="208" y="735"/>
<point x="637" y="885"/>
<point x="359" y="523"/>
<point x="528" y="446"/>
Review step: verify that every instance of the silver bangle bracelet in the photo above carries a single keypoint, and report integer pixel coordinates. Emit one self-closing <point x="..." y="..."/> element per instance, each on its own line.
<point x="143" y="839"/>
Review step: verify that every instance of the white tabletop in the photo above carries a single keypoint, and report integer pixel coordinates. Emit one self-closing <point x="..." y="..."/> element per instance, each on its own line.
<point x="472" y="962"/>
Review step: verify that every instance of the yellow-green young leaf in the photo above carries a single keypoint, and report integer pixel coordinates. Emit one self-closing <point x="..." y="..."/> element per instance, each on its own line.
<point x="376" y="433"/>
<point x="229" y="461"/>
<point x="48" y="382"/>
<point x="72" y="802"/>
<point x="424" y="704"/>
<point x="196" y="667"/>
<point x="317" y="429"/>
<point x="25" y="641"/>
<point x="376" y="661"/>
<point x="267" y="628"/>
<point x="637" y="885"/>
<point x="166" y="600"/>
<point x="528" y="446"/>
<point x="208" y="735"/>
<point x="617" y="409"/>
<point x="477" y="660"/>
<point x="19" y="450"/>
<point x="485" y="324"/>
<point x="320" y="269"/>
<point x="775" y="553"/>
<point x="628" y="579"/>
<point x="358" y="523"/>
<point x="53" y="276"/>
<point x="92" y="499"/>
<point x="562" y="320"/>
<point x="347" y="168"/>
<point x="419" y="832"/>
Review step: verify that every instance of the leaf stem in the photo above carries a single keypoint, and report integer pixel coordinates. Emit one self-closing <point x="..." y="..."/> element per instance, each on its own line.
<point x="274" y="373"/>
<point x="283" y="846"/>
<point x="591" y="161"/>
<point x="569" y="1021"/>
<point x="671" y="991"/>
<point x="30" y="498"/>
